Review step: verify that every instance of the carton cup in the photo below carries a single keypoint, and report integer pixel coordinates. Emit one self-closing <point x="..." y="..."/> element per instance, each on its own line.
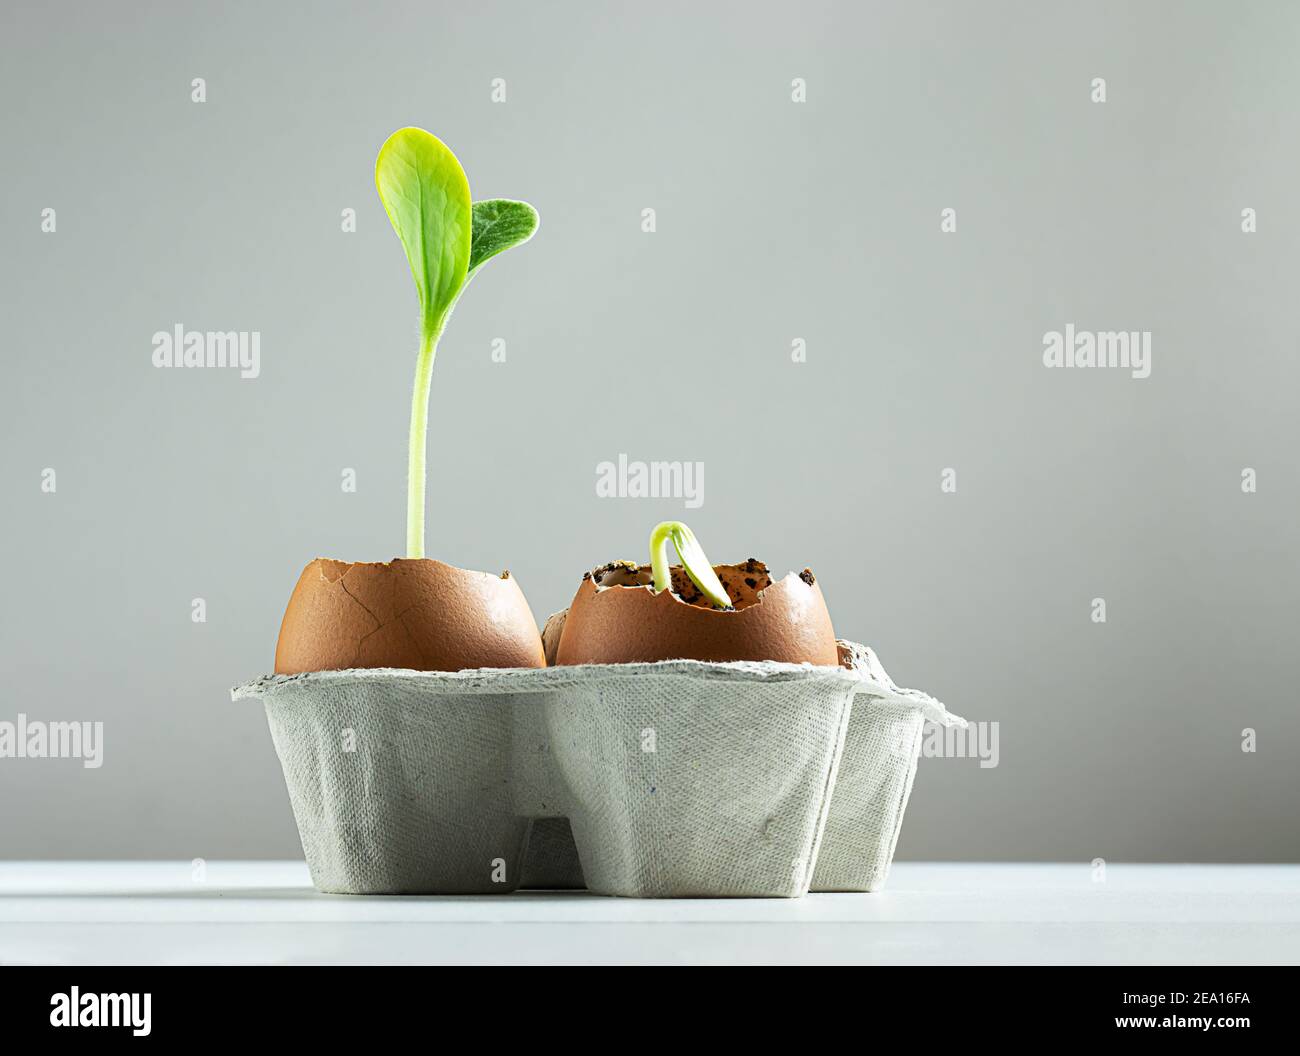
<point x="648" y="780"/>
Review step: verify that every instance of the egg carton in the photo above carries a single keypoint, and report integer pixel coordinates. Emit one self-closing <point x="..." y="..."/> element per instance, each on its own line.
<point x="670" y="779"/>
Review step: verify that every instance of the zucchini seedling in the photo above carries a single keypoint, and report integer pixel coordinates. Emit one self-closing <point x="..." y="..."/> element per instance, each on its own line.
<point x="447" y="239"/>
<point x="694" y="562"/>
<point x="628" y="613"/>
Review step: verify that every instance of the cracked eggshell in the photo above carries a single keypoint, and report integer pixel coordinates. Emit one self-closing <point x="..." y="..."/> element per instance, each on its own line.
<point x="409" y="613"/>
<point x="615" y="618"/>
<point x="551" y="635"/>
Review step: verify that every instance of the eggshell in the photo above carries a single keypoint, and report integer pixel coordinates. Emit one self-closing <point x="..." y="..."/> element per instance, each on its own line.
<point x="617" y="618"/>
<point x="417" y="614"/>
<point x="551" y="635"/>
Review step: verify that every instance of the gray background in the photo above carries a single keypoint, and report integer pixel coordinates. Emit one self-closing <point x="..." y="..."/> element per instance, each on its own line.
<point x="775" y="221"/>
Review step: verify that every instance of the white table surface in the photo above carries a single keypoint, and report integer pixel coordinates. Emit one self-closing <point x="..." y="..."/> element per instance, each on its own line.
<point x="268" y="913"/>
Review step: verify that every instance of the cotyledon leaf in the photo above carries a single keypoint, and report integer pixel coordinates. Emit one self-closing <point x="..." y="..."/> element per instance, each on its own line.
<point x="426" y="195"/>
<point x="499" y="224"/>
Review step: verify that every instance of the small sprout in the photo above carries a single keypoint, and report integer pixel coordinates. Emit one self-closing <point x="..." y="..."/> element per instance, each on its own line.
<point x="693" y="559"/>
<point x="447" y="239"/>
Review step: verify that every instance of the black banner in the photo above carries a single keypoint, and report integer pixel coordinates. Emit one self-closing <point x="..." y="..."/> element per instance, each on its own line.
<point x="141" y="1006"/>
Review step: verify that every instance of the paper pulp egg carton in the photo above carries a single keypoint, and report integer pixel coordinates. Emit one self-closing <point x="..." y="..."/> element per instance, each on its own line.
<point x="668" y="779"/>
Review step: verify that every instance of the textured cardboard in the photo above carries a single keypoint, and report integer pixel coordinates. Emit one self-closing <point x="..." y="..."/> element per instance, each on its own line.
<point x="670" y="779"/>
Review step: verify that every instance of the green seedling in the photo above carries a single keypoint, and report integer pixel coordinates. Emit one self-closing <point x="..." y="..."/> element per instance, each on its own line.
<point x="693" y="559"/>
<point x="447" y="239"/>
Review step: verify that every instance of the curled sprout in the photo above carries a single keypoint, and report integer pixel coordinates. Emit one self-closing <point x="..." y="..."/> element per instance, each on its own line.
<point x="693" y="560"/>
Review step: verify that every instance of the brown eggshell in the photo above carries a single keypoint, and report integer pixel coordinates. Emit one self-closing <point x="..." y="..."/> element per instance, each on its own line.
<point x="615" y="618"/>
<point x="408" y="613"/>
<point x="551" y="635"/>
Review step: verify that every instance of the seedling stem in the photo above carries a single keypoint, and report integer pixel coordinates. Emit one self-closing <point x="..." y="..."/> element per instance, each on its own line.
<point x="693" y="560"/>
